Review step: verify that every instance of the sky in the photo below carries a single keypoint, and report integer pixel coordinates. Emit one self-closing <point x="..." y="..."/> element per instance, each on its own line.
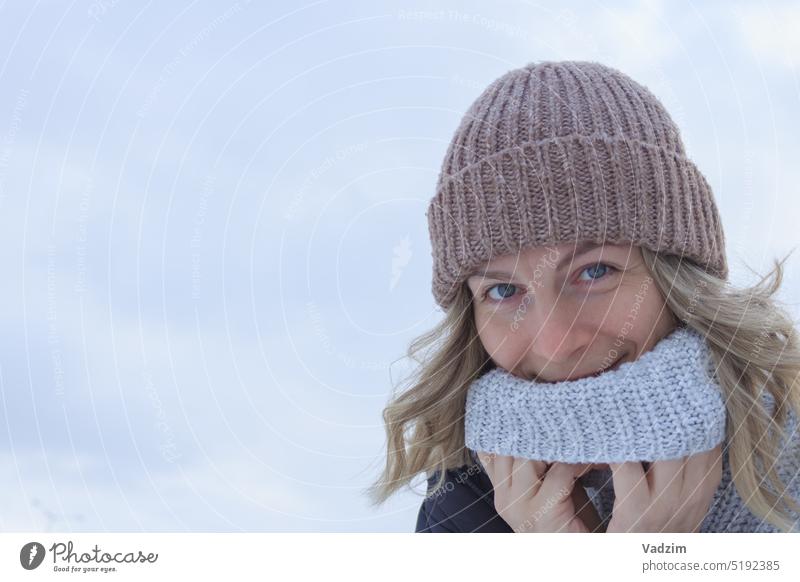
<point x="214" y="233"/>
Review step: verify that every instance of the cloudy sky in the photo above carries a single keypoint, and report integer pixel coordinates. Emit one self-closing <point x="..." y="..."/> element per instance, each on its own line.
<point x="214" y="238"/>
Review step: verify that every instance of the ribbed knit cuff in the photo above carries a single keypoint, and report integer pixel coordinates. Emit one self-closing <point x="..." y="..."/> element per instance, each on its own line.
<point x="664" y="405"/>
<point x="608" y="189"/>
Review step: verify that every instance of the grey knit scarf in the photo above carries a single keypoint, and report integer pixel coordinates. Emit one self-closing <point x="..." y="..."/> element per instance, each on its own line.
<point x="664" y="405"/>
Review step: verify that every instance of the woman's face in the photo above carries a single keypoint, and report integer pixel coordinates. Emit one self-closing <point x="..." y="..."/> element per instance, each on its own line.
<point x="561" y="313"/>
<point x="564" y="312"/>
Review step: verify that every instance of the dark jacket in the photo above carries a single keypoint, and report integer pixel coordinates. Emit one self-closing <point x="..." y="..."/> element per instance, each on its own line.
<point x="464" y="503"/>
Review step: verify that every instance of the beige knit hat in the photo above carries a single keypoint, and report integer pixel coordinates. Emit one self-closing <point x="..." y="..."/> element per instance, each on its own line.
<point x="564" y="151"/>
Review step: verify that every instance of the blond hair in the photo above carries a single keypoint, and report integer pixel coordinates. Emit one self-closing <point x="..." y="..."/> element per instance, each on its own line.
<point x="753" y="344"/>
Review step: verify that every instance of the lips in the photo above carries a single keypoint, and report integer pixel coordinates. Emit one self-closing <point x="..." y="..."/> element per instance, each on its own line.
<point x="619" y="362"/>
<point x="616" y="364"/>
<point x="610" y="368"/>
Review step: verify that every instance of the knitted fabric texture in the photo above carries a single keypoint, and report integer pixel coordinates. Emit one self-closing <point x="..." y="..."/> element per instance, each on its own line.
<point x="664" y="405"/>
<point x="727" y="512"/>
<point x="564" y="151"/>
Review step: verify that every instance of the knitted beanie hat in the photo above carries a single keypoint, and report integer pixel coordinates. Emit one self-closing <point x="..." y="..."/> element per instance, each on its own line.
<point x="565" y="151"/>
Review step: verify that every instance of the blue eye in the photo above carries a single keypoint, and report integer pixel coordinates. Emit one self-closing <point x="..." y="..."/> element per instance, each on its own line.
<point x="593" y="271"/>
<point x="596" y="272"/>
<point x="506" y="290"/>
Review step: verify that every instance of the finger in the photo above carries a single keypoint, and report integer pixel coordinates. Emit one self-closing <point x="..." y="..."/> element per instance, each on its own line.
<point x="628" y="480"/>
<point x="703" y="472"/>
<point x="526" y="476"/>
<point x="665" y="478"/>
<point x="558" y="482"/>
<point x="540" y="467"/>
<point x="502" y="467"/>
<point x="519" y="483"/>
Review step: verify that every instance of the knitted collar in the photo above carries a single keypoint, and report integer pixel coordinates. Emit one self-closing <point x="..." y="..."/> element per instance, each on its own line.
<point x="664" y="405"/>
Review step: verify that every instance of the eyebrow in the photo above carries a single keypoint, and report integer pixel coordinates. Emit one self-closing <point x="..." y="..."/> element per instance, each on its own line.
<point x="580" y="249"/>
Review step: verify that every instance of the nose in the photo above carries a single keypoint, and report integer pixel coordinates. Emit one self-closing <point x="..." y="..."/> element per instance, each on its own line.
<point x="555" y="337"/>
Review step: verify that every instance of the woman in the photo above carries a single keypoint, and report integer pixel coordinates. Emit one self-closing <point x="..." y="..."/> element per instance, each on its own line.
<point x="566" y="204"/>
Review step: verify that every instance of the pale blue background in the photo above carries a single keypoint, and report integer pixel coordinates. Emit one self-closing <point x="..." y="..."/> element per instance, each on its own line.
<point x="214" y="238"/>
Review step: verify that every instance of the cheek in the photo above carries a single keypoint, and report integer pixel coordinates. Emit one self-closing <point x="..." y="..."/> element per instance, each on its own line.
<point x="504" y="345"/>
<point x="636" y="311"/>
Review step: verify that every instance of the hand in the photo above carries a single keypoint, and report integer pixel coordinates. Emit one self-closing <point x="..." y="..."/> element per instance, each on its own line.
<point x="671" y="496"/>
<point x="532" y="496"/>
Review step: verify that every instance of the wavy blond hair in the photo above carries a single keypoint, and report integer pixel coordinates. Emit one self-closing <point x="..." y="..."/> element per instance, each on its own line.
<point x="753" y="343"/>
